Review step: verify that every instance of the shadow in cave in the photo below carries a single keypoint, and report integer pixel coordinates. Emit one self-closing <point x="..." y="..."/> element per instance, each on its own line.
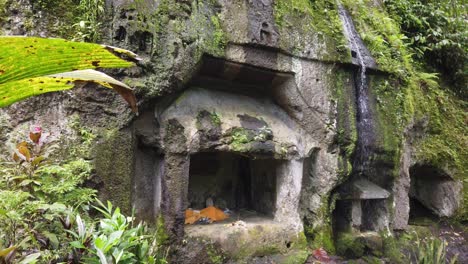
<point x="420" y="214"/>
<point x="234" y="182"/>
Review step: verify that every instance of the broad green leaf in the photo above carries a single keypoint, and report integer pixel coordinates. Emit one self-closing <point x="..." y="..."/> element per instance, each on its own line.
<point x="117" y="255"/>
<point x="28" y="57"/>
<point x="115" y="236"/>
<point x="14" y="91"/>
<point x="53" y="239"/>
<point x="31" y="66"/>
<point x="77" y="244"/>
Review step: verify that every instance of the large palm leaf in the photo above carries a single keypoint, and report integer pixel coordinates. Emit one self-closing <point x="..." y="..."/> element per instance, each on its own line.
<point x="31" y="66"/>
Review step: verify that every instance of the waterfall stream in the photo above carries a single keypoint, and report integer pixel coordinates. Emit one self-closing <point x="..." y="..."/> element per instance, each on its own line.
<point x="364" y="124"/>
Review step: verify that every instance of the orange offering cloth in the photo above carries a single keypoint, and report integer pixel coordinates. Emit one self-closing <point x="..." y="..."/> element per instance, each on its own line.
<point x="212" y="213"/>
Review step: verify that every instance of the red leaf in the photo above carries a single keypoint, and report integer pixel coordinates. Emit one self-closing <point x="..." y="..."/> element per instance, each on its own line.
<point x="321" y="255"/>
<point x="35" y="134"/>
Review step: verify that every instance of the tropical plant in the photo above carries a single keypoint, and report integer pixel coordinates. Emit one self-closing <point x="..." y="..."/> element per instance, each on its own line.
<point x="37" y="197"/>
<point x="431" y="250"/>
<point x="114" y="239"/>
<point x="437" y="32"/>
<point x="45" y="211"/>
<point x="89" y="25"/>
<point x="31" y="66"/>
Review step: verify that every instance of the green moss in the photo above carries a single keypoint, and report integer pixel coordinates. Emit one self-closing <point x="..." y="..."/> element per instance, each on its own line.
<point x="297" y="257"/>
<point x="321" y="235"/>
<point x="347" y="245"/>
<point x="161" y="235"/>
<point x="219" y="39"/>
<point x="346" y="131"/>
<point x="214" y="256"/>
<point x="240" y="137"/>
<point x="192" y="28"/>
<point x="113" y="163"/>
<point x="306" y="18"/>
<point x="215" y="119"/>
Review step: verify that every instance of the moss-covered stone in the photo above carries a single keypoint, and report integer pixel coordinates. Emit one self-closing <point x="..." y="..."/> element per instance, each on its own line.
<point x="346" y="135"/>
<point x="114" y="164"/>
<point x="347" y="245"/>
<point x="320" y="237"/>
<point x="161" y="235"/>
<point x="240" y="137"/>
<point x="303" y="21"/>
<point x="296" y="257"/>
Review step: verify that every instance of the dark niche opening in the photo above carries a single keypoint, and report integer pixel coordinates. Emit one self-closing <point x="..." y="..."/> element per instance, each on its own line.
<point x="234" y="182"/>
<point x="433" y="194"/>
<point x="419" y="214"/>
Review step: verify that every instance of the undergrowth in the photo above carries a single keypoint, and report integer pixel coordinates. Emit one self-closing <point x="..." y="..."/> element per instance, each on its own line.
<point x="46" y="213"/>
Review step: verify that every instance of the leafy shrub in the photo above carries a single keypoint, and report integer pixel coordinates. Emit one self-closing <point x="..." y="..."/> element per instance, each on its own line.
<point x="437" y="33"/>
<point x="36" y="197"/>
<point x="89" y="26"/>
<point x="40" y="199"/>
<point x="114" y="239"/>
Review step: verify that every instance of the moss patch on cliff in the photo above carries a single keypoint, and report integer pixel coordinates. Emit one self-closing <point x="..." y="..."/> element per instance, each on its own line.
<point x="319" y="233"/>
<point x="382" y="36"/>
<point x="113" y="164"/>
<point x="346" y="134"/>
<point x="299" y="20"/>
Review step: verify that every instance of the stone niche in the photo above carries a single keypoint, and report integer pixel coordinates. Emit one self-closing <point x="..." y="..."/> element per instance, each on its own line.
<point x="358" y="207"/>
<point x="224" y="141"/>
<point x="433" y="193"/>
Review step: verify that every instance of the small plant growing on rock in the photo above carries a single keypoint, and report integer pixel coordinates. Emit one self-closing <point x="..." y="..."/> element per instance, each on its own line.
<point x="431" y="250"/>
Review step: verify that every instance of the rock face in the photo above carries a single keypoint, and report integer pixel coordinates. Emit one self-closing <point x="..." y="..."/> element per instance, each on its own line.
<point x="435" y="190"/>
<point x="243" y="103"/>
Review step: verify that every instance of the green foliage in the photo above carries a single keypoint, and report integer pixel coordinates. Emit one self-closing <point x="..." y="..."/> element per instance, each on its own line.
<point x="89" y="26"/>
<point x="312" y="17"/>
<point x="114" y="238"/>
<point x="37" y="195"/>
<point x="80" y="20"/>
<point x="437" y="33"/>
<point x="393" y="248"/>
<point x="45" y="208"/>
<point x="381" y="35"/>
